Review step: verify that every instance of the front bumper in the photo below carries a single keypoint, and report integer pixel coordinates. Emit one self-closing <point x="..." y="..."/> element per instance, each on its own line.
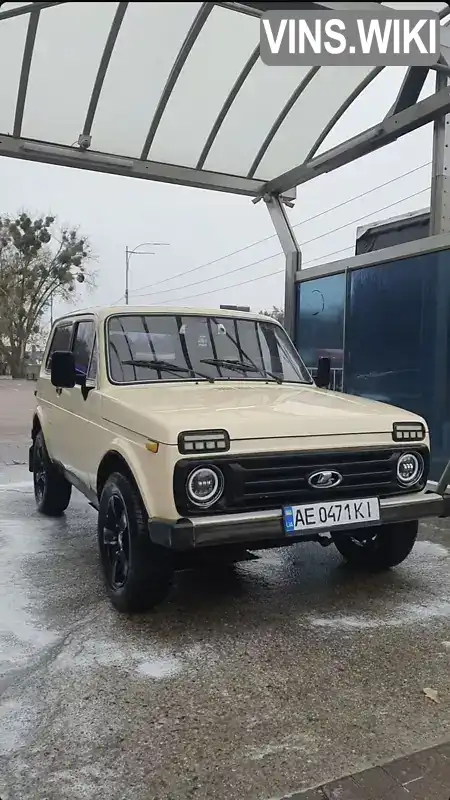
<point x="259" y="528"/>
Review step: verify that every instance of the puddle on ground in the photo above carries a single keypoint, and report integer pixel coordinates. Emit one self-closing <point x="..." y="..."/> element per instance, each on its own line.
<point x="426" y="555"/>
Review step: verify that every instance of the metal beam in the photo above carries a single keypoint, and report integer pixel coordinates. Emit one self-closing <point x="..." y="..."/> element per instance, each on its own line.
<point x="44" y="153"/>
<point x="410" y="90"/>
<point x="241" y="8"/>
<point x="387" y="131"/>
<point x="104" y="64"/>
<point x="259" y="7"/>
<point x="396" y="252"/>
<point x="293" y="255"/>
<point x="349" y="6"/>
<point x="29" y="8"/>
<point x="415" y="78"/>
<point x="180" y="61"/>
<point x="25" y="71"/>
<point x="227" y="105"/>
<point x="440" y="178"/>
<point x="280" y="119"/>
<point x="342" y="109"/>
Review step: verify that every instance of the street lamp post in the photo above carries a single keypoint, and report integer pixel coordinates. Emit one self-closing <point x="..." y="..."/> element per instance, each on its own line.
<point x="129" y="253"/>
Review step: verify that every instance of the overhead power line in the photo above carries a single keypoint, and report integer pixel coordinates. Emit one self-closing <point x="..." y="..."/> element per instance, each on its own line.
<point x="274" y="255"/>
<point x="261" y="277"/>
<point x="273" y="236"/>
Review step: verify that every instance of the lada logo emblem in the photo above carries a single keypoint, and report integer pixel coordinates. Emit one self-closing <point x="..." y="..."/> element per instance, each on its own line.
<point x="325" y="480"/>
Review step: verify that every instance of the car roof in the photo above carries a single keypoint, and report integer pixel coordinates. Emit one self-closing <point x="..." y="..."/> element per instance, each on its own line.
<point x="103" y="312"/>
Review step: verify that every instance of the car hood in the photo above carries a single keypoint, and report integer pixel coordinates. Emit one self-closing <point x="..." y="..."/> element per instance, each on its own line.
<point x="252" y="411"/>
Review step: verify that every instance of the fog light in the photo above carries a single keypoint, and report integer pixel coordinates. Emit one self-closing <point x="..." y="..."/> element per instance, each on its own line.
<point x="205" y="486"/>
<point x="409" y="468"/>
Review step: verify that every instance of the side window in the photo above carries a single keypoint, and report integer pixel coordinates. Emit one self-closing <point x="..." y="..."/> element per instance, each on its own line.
<point x="82" y="345"/>
<point x="61" y="340"/>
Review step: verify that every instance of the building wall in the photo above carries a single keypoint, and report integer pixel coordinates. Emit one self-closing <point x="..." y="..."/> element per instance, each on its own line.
<point x="387" y="330"/>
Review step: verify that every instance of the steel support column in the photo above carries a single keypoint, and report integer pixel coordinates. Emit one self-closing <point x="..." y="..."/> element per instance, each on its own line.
<point x="440" y="223"/>
<point x="293" y="255"/>
<point x="440" y="180"/>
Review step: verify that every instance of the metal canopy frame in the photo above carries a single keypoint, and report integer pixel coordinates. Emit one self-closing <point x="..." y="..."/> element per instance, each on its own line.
<point x="406" y="115"/>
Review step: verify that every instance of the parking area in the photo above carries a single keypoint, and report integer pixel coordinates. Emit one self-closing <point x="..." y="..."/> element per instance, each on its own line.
<point x="250" y="683"/>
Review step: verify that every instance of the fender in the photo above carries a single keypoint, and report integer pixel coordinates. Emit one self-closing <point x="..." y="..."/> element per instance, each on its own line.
<point x="127" y="450"/>
<point x="38" y="423"/>
<point x="42" y="418"/>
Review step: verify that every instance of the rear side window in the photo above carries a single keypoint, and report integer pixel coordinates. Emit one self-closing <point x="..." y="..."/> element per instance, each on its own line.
<point x="61" y="340"/>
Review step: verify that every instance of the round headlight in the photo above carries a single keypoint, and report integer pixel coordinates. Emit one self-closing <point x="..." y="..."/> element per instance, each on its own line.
<point x="204" y="486"/>
<point x="409" y="468"/>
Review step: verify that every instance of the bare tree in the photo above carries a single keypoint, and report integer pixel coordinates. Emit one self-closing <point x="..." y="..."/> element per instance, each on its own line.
<point x="38" y="261"/>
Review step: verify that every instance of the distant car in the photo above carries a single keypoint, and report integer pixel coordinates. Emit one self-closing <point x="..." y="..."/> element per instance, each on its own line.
<point x="190" y="430"/>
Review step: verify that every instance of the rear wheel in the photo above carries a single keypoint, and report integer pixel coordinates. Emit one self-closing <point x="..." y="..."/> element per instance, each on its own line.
<point x="379" y="548"/>
<point x="137" y="573"/>
<point x="52" y="491"/>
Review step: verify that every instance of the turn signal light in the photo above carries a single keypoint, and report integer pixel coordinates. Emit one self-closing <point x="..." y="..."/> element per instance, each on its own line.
<point x="151" y="446"/>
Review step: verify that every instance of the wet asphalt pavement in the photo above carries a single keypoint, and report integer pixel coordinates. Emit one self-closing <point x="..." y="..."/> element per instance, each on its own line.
<point x="247" y="684"/>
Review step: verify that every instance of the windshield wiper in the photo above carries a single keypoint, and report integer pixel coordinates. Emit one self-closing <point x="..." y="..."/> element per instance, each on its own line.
<point x="240" y="366"/>
<point x="165" y="366"/>
<point x="250" y="360"/>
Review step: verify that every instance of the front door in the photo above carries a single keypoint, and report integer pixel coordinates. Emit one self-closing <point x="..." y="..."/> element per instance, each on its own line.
<point x="83" y="425"/>
<point x="50" y="398"/>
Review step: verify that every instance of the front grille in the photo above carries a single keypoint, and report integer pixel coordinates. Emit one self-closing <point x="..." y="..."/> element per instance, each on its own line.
<point x="267" y="481"/>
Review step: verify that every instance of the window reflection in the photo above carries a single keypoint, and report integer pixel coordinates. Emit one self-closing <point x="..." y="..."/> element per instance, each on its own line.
<point x="320" y="324"/>
<point x="168" y="347"/>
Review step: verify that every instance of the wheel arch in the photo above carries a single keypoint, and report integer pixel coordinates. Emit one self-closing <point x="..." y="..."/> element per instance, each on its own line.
<point x="36" y="426"/>
<point x="115" y="460"/>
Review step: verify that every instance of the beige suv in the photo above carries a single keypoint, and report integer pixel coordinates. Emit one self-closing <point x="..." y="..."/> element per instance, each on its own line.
<point x="203" y="432"/>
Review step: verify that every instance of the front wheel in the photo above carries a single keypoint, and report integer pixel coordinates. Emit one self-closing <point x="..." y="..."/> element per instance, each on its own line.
<point x="137" y="573"/>
<point x="380" y="548"/>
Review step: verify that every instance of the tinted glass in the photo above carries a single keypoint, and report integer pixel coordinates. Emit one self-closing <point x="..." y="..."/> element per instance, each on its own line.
<point x="193" y="342"/>
<point x="320" y="323"/>
<point x="61" y="340"/>
<point x="398" y="341"/>
<point x="82" y="346"/>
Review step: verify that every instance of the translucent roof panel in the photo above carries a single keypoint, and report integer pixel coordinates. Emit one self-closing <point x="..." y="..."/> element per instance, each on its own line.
<point x="170" y="91"/>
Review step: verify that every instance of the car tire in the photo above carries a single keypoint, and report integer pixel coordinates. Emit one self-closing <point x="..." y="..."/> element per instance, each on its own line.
<point x="378" y="549"/>
<point x="137" y="573"/>
<point x="52" y="491"/>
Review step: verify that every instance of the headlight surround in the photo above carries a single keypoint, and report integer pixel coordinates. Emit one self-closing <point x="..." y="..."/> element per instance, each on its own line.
<point x="410" y="468"/>
<point x="205" y="486"/>
<point x="193" y="442"/>
<point x="408" y="432"/>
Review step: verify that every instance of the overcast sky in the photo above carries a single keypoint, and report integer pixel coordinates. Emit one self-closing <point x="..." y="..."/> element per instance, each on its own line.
<point x="201" y="226"/>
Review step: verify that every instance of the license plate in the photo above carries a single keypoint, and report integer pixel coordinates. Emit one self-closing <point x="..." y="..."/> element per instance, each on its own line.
<point x="323" y="516"/>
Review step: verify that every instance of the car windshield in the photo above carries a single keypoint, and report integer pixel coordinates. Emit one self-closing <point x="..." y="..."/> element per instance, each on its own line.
<point x="165" y="347"/>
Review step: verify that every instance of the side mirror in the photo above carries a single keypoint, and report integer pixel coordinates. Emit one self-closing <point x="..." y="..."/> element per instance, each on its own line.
<point x="323" y="373"/>
<point x="63" y="374"/>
